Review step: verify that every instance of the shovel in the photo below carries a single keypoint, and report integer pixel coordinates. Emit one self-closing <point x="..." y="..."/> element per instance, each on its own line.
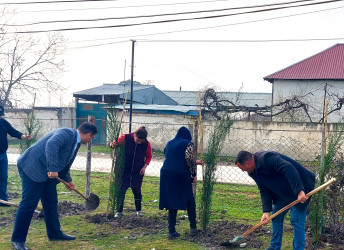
<point x="38" y="213"/>
<point x="231" y="242"/>
<point x="92" y="201"/>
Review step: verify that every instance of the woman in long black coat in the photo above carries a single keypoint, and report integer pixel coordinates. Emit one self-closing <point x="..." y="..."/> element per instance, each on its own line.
<point x="176" y="177"/>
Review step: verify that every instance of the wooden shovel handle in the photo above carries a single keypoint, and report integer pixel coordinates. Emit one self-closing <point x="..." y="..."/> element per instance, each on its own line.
<point x="288" y="206"/>
<point x="15" y="205"/>
<point x="67" y="184"/>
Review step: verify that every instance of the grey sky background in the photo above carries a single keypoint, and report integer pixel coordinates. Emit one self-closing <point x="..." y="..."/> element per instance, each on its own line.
<point x="227" y="52"/>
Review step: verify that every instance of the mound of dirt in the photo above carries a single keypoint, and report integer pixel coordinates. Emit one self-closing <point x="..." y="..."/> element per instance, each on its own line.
<point x="7" y="218"/>
<point x="12" y="195"/>
<point x="224" y="231"/>
<point x="149" y="225"/>
<point x="328" y="240"/>
<point x="211" y="238"/>
<point x="67" y="208"/>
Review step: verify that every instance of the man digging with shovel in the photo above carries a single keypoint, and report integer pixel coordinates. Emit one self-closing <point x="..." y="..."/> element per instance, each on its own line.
<point x="50" y="157"/>
<point x="280" y="180"/>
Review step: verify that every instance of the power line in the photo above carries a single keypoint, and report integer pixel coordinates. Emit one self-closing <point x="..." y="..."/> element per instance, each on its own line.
<point x="59" y="1"/>
<point x="128" y="6"/>
<point x="215" y="41"/>
<point x="173" y="20"/>
<point x="240" y="41"/>
<point x="209" y="27"/>
<point x="160" y="15"/>
<point x="98" y="45"/>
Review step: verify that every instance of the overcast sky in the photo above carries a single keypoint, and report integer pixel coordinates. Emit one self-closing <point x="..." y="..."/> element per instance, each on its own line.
<point x="237" y="48"/>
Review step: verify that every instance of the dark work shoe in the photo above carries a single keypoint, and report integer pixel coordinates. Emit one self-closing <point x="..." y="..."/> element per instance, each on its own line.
<point x="174" y="235"/>
<point x="63" y="236"/>
<point x="19" y="245"/>
<point x="193" y="231"/>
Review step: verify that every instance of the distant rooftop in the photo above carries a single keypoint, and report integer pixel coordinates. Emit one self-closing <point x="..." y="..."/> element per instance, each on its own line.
<point x="115" y="93"/>
<point x="163" y="109"/>
<point x="149" y="94"/>
<point x="190" y="98"/>
<point x="328" y="64"/>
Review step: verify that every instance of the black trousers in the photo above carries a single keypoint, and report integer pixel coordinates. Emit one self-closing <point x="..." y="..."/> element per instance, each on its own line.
<point x="137" y="196"/>
<point x="134" y="182"/>
<point x="172" y="216"/>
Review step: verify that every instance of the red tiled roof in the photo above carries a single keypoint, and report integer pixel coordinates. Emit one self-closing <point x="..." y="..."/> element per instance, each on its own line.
<point x="328" y="64"/>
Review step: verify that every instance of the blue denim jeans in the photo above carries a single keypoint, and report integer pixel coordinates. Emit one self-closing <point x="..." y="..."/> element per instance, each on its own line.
<point x="297" y="220"/>
<point x="3" y="176"/>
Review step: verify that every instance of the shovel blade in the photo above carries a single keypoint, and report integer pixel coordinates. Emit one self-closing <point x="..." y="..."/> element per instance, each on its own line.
<point x="92" y="202"/>
<point x="226" y="244"/>
<point x="231" y="242"/>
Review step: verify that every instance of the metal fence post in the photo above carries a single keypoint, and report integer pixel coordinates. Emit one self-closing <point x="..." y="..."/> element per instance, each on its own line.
<point x="195" y="132"/>
<point x="88" y="164"/>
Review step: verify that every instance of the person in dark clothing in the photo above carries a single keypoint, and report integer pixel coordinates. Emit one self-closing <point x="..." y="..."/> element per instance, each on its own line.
<point x="281" y="180"/>
<point x="6" y="128"/>
<point x="138" y="154"/>
<point x="176" y="177"/>
<point x="51" y="156"/>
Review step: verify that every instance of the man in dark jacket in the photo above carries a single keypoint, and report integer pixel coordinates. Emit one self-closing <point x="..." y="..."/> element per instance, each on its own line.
<point x="281" y="180"/>
<point x="49" y="157"/>
<point x="6" y="128"/>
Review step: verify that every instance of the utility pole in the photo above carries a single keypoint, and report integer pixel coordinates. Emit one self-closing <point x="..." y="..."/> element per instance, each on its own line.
<point x="125" y="65"/>
<point x="324" y="128"/>
<point x="131" y="83"/>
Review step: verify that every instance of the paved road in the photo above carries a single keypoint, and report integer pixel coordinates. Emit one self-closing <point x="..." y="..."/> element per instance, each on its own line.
<point x="102" y="163"/>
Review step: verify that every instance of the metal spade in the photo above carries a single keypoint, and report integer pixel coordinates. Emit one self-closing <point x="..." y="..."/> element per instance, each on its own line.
<point x="92" y="201"/>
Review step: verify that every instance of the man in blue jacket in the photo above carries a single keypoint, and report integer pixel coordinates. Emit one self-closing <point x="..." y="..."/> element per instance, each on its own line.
<point x="281" y="180"/>
<point x="49" y="157"/>
<point x="6" y="128"/>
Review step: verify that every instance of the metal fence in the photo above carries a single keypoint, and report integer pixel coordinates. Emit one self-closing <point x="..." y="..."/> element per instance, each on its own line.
<point x="240" y="138"/>
<point x="297" y="144"/>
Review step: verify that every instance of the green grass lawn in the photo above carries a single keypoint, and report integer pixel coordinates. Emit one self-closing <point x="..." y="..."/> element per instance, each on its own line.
<point x="230" y="202"/>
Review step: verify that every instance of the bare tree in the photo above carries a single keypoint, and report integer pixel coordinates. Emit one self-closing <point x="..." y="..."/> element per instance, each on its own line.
<point x="29" y="65"/>
<point x="215" y="104"/>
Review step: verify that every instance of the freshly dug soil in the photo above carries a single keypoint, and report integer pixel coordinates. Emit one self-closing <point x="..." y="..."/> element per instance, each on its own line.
<point x="329" y="240"/>
<point x="224" y="231"/>
<point x="140" y="225"/>
<point x="210" y="238"/>
<point x="67" y="208"/>
<point x="6" y="218"/>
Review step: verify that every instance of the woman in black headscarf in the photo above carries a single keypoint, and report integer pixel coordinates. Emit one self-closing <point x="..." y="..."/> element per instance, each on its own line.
<point x="176" y="177"/>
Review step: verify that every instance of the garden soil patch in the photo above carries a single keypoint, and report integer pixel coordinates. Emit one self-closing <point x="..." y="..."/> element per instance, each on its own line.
<point x="211" y="238"/>
<point x="139" y="226"/>
<point x="6" y="217"/>
<point x="222" y="231"/>
<point x="329" y="240"/>
<point x="67" y="208"/>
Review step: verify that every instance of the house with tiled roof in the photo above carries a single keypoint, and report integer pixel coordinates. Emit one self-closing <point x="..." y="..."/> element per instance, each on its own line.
<point x="312" y="80"/>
